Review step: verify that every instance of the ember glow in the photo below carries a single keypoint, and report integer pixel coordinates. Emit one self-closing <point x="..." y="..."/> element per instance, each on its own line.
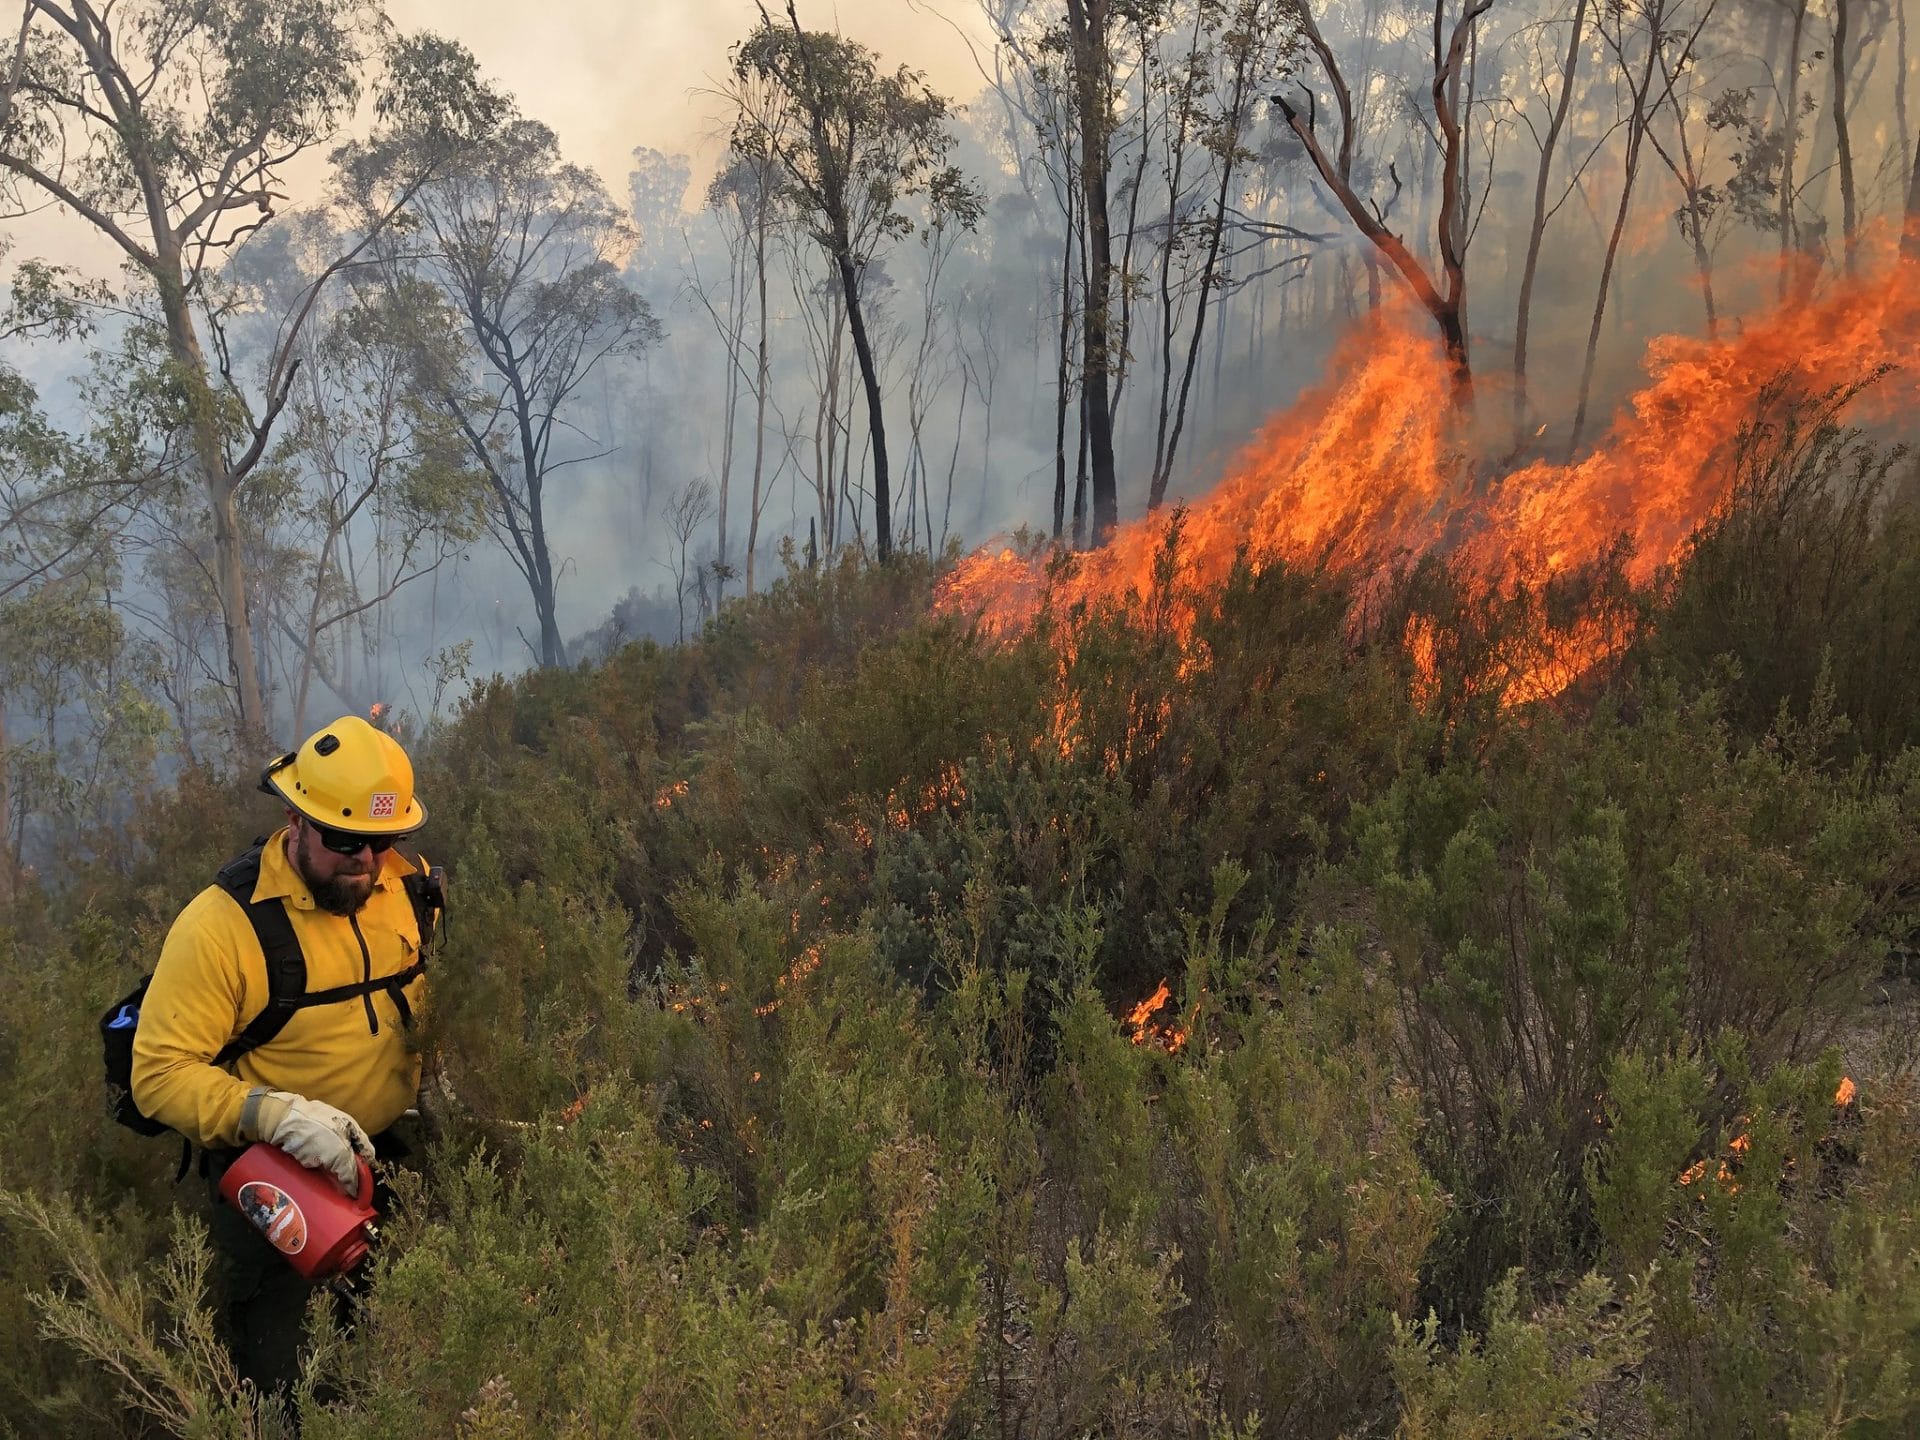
<point x="1367" y="469"/>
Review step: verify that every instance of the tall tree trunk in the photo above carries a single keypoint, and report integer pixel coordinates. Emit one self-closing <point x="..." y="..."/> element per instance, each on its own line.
<point x="553" y="650"/>
<point x="1537" y="231"/>
<point x="1444" y="309"/>
<point x="1126" y="246"/>
<point x="1080" y="479"/>
<point x="229" y="558"/>
<point x="1907" y="148"/>
<point x="8" y="885"/>
<point x="1163" y="468"/>
<point x="302" y="690"/>
<point x="870" y="380"/>
<point x="1063" y="383"/>
<point x="729" y="414"/>
<point x="953" y="461"/>
<point x="1849" y="205"/>
<point x="1451" y="229"/>
<point x="760" y="374"/>
<point x="1087" y="21"/>
<point x="1789" y="146"/>
<point x="1693" y="211"/>
<point x="1176" y="175"/>
<point x="1910" y="236"/>
<point x="1636" y="136"/>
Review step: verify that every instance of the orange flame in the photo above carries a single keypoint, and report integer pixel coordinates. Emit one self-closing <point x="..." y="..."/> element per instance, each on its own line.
<point x="1724" y="1174"/>
<point x="376" y="710"/>
<point x="1145" y="1010"/>
<point x="1144" y="1030"/>
<point x="1367" y="468"/>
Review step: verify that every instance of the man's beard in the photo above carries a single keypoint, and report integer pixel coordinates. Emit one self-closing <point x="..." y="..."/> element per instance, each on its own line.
<point x="341" y="895"/>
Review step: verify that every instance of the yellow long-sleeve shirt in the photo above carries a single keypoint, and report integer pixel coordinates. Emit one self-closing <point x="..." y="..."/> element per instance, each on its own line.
<point x="212" y="980"/>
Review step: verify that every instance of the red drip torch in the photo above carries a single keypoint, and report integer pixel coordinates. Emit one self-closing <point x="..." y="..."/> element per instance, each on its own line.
<point x="307" y="1217"/>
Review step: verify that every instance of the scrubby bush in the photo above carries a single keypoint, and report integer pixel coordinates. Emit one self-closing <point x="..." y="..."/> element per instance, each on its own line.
<point x="1801" y="594"/>
<point x="1199" y="1017"/>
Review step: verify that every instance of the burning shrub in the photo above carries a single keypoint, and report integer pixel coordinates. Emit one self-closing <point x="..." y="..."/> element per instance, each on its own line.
<point x="1260" y="1187"/>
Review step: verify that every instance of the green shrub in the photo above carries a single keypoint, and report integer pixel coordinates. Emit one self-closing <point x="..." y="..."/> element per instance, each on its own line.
<point x="1605" y="887"/>
<point x="793" y="1080"/>
<point x="1806" y="581"/>
<point x="1528" y="1378"/>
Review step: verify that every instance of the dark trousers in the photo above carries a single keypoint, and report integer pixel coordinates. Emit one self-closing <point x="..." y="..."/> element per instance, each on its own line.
<point x="262" y="1300"/>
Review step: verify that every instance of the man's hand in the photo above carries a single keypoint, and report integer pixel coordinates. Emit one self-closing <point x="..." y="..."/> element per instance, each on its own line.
<point x="312" y="1132"/>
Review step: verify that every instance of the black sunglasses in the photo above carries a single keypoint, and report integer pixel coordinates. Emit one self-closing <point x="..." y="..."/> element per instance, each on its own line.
<point x="342" y="842"/>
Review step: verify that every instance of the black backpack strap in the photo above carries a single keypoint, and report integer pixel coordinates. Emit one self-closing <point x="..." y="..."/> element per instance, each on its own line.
<point x="286" y="964"/>
<point x="393" y="984"/>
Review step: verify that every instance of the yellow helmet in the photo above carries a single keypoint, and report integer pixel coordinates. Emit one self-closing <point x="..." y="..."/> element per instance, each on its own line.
<point x="351" y="777"/>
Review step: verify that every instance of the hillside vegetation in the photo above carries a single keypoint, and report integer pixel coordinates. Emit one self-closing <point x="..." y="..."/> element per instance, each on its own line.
<point x="798" y="1072"/>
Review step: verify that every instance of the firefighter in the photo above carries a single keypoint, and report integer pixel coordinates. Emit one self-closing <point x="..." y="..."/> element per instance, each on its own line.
<point x="322" y="920"/>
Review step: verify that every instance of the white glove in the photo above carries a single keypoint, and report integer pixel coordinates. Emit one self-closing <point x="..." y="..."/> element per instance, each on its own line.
<point x="311" y="1131"/>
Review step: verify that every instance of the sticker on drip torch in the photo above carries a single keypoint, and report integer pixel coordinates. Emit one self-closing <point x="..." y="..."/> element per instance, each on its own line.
<point x="275" y="1214"/>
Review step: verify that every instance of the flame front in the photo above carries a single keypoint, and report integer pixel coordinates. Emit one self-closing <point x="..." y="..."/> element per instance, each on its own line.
<point x="1368" y="468"/>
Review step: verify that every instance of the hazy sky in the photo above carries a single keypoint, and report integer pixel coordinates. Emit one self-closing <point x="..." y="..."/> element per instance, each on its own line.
<point x="608" y="75"/>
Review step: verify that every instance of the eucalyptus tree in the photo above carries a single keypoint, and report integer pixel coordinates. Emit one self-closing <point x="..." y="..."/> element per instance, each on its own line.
<point x="61" y="501"/>
<point x="1091" y="85"/>
<point x="1247" y="43"/>
<point x="1655" y="27"/>
<point x="169" y="127"/>
<point x="81" y="678"/>
<point x="387" y="491"/>
<point x="1443" y="296"/>
<point x="1547" y="138"/>
<point x="526" y="251"/>
<point x="953" y="209"/>
<point x="1089" y="46"/>
<point x="851" y="144"/>
<point x="743" y="199"/>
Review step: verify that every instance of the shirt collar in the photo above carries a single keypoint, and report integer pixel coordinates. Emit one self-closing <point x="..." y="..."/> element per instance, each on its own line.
<point x="280" y="881"/>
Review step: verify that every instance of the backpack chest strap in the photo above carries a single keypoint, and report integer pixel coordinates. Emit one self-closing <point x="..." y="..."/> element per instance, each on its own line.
<point x="286" y="964"/>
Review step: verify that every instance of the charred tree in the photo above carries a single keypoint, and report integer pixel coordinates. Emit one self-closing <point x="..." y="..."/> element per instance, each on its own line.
<point x="1843" y="141"/>
<point x="1089" y="24"/>
<point x="1443" y="299"/>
